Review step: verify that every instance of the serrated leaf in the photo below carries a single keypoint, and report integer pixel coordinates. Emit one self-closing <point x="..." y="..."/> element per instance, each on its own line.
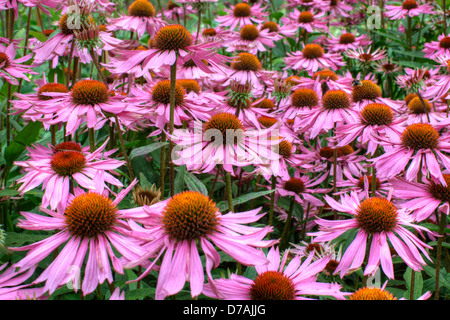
<point x="142" y="151"/>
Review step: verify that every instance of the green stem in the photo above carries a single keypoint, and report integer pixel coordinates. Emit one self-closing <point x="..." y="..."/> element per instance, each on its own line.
<point x="124" y="150"/>
<point x="229" y="191"/>
<point x="91" y="139"/>
<point x="173" y="79"/>
<point x="162" y="172"/>
<point x="287" y="226"/>
<point x="442" y="224"/>
<point x="272" y="200"/>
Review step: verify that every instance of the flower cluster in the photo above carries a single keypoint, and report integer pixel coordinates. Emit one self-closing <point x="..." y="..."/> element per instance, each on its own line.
<point x="261" y="150"/>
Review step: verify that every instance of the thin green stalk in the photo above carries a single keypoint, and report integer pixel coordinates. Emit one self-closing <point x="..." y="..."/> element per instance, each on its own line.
<point x="124" y="150"/>
<point x="219" y="169"/>
<point x="162" y="173"/>
<point x="91" y="134"/>
<point x="287" y="226"/>
<point x="442" y="224"/>
<point x="229" y="191"/>
<point x="173" y="79"/>
<point x="272" y="200"/>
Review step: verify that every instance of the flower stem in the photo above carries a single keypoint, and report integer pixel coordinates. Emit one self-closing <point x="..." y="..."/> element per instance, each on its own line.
<point x="272" y="200"/>
<point x="173" y="79"/>
<point x="91" y="139"/>
<point x="199" y="23"/>
<point x="442" y="224"/>
<point x="229" y="191"/>
<point x="162" y="172"/>
<point x="124" y="150"/>
<point x="287" y="226"/>
<point x="219" y="169"/>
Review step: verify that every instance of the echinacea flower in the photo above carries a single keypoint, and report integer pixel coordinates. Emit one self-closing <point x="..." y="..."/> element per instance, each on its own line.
<point x="320" y="251"/>
<point x="170" y="44"/>
<point x="58" y="167"/>
<point x="363" y="185"/>
<point x="93" y="227"/>
<point x="378" y="222"/>
<point x="312" y="58"/>
<point x="368" y="92"/>
<point x="178" y="226"/>
<point x="366" y="57"/>
<point x="252" y="39"/>
<point x="141" y="18"/>
<point x="26" y="102"/>
<point x="334" y="109"/>
<point x="408" y="8"/>
<point x="375" y="119"/>
<point x="153" y="102"/>
<point x="375" y="293"/>
<point x="279" y="280"/>
<point x="301" y="187"/>
<point x="346" y="41"/>
<point x="424" y="198"/>
<point x="438" y="48"/>
<point x="223" y="140"/>
<point x="89" y="101"/>
<point x="13" y="284"/>
<point x="310" y="21"/>
<point x="246" y="68"/>
<point x="11" y="68"/>
<point x="242" y="14"/>
<point x="419" y="149"/>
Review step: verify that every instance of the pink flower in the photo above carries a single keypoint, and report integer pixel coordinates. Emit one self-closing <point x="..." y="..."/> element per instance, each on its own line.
<point x="377" y="220"/>
<point x="419" y="149"/>
<point x="174" y="228"/>
<point x="91" y="226"/>
<point x="13" y="286"/>
<point x="171" y="44"/>
<point x="11" y="68"/>
<point x="346" y="41"/>
<point x="242" y="14"/>
<point x="310" y="21"/>
<point x="152" y="101"/>
<point x="312" y="58"/>
<point x="89" y="101"/>
<point x="375" y="119"/>
<point x="141" y="18"/>
<point x="277" y="280"/>
<point x="335" y="108"/>
<point x="410" y="8"/>
<point x="223" y="140"/>
<point x="252" y="39"/>
<point x="58" y="167"/>
<point x="422" y="198"/>
<point x="301" y="187"/>
<point x="434" y="49"/>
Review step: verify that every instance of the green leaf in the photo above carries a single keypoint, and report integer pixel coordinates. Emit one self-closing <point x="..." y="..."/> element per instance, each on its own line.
<point x="14" y="239"/>
<point x="194" y="184"/>
<point x="415" y="54"/>
<point x="223" y="205"/>
<point x="8" y="193"/>
<point x="38" y="35"/>
<point x="140" y="294"/>
<point x="179" y="179"/>
<point x="418" y="284"/>
<point x="24" y="138"/>
<point x="142" y="151"/>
